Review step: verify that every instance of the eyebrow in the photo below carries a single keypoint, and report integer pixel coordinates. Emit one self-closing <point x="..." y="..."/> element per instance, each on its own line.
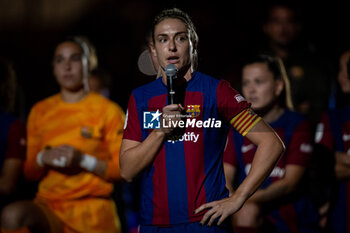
<point x="73" y="54"/>
<point x="177" y="33"/>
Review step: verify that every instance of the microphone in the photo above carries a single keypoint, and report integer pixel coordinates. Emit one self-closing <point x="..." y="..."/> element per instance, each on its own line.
<point x="171" y="71"/>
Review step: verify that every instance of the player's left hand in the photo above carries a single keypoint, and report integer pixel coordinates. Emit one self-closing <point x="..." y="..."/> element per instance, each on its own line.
<point x="220" y="209"/>
<point x="73" y="155"/>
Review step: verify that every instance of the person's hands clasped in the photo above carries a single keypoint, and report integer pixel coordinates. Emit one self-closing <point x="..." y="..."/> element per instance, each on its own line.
<point x="220" y="209"/>
<point x="63" y="156"/>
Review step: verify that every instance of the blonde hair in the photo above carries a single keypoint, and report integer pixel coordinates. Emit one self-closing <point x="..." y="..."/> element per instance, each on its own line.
<point x="287" y="88"/>
<point x="89" y="57"/>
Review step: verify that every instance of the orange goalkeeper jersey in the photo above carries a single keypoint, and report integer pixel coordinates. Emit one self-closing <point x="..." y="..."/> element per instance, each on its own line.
<point x="94" y="126"/>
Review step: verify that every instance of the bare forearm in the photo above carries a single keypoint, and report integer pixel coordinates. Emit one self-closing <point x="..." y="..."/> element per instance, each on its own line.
<point x="342" y="172"/>
<point x="266" y="156"/>
<point x="342" y="165"/>
<point x="101" y="167"/>
<point x="283" y="187"/>
<point x="273" y="192"/>
<point x="137" y="158"/>
<point x="10" y="173"/>
<point x="342" y="158"/>
<point x="6" y="188"/>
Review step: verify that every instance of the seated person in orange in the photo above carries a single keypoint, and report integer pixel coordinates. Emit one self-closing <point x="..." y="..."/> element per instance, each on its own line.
<point x="73" y="149"/>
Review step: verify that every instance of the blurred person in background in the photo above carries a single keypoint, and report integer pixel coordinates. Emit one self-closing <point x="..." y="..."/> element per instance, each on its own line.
<point x="12" y="137"/>
<point x="308" y="72"/>
<point x="100" y="82"/>
<point x="281" y="204"/>
<point x="333" y="139"/>
<point x="73" y="151"/>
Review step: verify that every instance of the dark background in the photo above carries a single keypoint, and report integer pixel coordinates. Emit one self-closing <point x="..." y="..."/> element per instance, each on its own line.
<point x="29" y="30"/>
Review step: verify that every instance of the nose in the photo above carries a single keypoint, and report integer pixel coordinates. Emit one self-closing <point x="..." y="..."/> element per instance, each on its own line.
<point x="67" y="65"/>
<point x="252" y="89"/>
<point x="172" y="45"/>
<point x="249" y="89"/>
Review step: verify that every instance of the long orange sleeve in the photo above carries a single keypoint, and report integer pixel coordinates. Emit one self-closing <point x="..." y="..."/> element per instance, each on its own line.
<point x="113" y="136"/>
<point x="32" y="171"/>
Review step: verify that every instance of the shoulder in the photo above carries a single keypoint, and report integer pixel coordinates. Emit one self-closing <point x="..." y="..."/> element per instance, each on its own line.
<point x="47" y="103"/>
<point x="104" y="104"/>
<point x="204" y="78"/>
<point x="154" y="85"/>
<point x="295" y="116"/>
<point x="143" y="94"/>
<point x="7" y="119"/>
<point x="205" y="83"/>
<point x="296" y="120"/>
<point x="341" y="114"/>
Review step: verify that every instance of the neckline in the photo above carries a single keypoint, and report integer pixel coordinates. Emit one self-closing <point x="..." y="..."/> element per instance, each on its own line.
<point x="84" y="99"/>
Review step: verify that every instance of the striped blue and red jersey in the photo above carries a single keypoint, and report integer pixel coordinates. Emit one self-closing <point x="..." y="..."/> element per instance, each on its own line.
<point x="295" y="213"/>
<point x="12" y="138"/>
<point x="12" y="146"/>
<point x="333" y="132"/>
<point x="188" y="172"/>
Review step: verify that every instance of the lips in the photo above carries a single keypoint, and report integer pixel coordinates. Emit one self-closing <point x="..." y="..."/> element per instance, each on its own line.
<point x="252" y="99"/>
<point x="68" y="76"/>
<point x="173" y="59"/>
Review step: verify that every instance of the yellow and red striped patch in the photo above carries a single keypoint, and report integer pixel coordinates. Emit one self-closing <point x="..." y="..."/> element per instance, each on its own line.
<point x="245" y="120"/>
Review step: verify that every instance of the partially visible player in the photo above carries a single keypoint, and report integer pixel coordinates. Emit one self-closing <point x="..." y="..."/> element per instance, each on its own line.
<point x="281" y="201"/>
<point x="12" y="137"/>
<point x="333" y="133"/>
<point x="73" y="146"/>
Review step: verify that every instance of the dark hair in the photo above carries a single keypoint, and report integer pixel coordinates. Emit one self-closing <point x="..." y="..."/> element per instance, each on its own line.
<point x="103" y="76"/>
<point x="8" y="85"/>
<point x="175" y="13"/>
<point x="276" y="67"/>
<point x="282" y="4"/>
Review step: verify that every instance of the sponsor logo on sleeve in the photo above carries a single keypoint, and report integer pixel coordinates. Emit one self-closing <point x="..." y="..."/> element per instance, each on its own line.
<point x="239" y="98"/>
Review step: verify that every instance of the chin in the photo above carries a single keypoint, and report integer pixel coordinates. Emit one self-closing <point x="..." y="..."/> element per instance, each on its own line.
<point x="72" y="88"/>
<point x="258" y="108"/>
<point x="255" y="107"/>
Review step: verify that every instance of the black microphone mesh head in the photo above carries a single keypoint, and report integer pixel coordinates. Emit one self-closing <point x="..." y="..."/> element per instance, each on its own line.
<point x="171" y="70"/>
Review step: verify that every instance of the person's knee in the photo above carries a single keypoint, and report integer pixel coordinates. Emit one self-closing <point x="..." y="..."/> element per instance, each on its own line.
<point x="13" y="216"/>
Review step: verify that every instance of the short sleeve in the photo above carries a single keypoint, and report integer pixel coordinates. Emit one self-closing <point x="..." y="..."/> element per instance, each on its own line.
<point x="323" y="134"/>
<point x="16" y="141"/>
<point x="235" y="109"/>
<point x="132" y="129"/>
<point x="229" y="101"/>
<point x="113" y="135"/>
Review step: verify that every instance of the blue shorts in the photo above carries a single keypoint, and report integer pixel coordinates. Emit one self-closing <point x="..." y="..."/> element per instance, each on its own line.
<point x="185" y="228"/>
